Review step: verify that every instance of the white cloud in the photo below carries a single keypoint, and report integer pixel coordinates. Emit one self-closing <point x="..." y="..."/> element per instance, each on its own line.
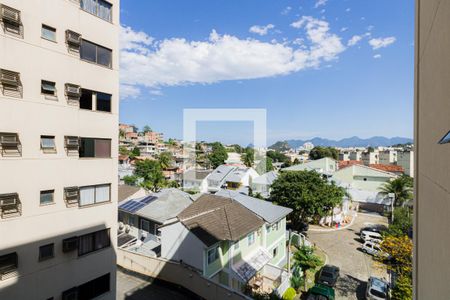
<point x="378" y="43"/>
<point x="134" y="40"/>
<point x="348" y="9"/>
<point x="354" y="40"/>
<point x="344" y="29"/>
<point x="261" y="30"/>
<point x="129" y="91"/>
<point x="320" y="3"/>
<point x="156" y="92"/>
<point x="377" y="56"/>
<point x="177" y="61"/>
<point x="286" y="11"/>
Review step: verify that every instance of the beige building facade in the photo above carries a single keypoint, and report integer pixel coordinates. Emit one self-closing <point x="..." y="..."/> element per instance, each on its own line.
<point x="58" y="148"/>
<point x="432" y="148"/>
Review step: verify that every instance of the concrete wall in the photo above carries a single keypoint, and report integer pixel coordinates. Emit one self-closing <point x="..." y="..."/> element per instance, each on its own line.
<point x="432" y="122"/>
<point x="34" y="115"/>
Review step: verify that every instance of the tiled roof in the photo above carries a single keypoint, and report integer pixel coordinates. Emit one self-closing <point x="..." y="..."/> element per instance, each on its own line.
<point x="348" y="163"/>
<point x="387" y="168"/>
<point x="213" y="218"/>
<point x="126" y="191"/>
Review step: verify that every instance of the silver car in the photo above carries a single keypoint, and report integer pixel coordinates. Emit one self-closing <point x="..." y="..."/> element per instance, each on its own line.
<point x="377" y="289"/>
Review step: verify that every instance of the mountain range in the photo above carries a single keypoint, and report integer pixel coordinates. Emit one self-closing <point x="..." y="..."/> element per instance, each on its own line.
<point x="346" y="142"/>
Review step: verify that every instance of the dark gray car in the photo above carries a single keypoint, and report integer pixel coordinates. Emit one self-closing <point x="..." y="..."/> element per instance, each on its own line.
<point x="328" y="275"/>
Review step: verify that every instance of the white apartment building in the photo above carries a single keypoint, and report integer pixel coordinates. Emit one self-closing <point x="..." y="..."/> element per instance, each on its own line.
<point x="369" y="158"/>
<point x="355" y="155"/>
<point x="59" y="97"/>
<point x="406" y="160"/>
<point x="387" y="157"/>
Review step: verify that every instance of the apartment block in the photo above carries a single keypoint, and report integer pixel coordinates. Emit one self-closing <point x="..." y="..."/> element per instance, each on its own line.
<point x="58" y="148"/>
<point x="387" y="157"/>
<point x="369" y="158"/>
<point x="405" y="159"/>
<point x="432" y="149"/>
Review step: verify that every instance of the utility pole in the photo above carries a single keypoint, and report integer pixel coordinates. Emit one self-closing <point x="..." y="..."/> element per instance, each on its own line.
<point x="392" y="196"/>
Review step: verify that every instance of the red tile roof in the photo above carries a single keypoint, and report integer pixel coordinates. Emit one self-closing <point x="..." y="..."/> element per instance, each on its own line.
<point x="388" y="168"/>
<point x="348" y="163"/>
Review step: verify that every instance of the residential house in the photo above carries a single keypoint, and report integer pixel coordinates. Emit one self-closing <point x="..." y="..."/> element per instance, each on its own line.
<point x="217" y="177"/>
<point x="195" y="180"/>
<point x="262" y="184"/>
<point x="125" y="167"/>
<point x="395" y="169"/>
<point x="363" y="184"/>
<point x="240" y="178"/>
<point x="325" y="166"/>
<point x="228" y="242"/>
<point x="347" y="163"/>
<point x="405" y="159"/>
<point x="127" y="192"/>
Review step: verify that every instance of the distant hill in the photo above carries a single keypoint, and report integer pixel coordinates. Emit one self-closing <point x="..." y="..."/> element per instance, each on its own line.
<point x="347" y="142"/>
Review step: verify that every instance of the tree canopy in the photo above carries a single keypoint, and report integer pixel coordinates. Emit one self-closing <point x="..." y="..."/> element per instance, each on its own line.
<point x="218" y="155"/>
<point x="135" y="152"/>
<point x="151" y="174"/>
<point x="248" y="158"/>
<point x="319" y="152"/>
<point x="146" y="129"/>
<point x="277" y="156"/>
<point x="307" y="193"/>
<point x="305" y="258"/>
<point x="165" y="159"/>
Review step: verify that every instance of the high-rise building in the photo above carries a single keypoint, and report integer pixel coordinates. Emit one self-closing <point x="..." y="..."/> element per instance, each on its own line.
<point x="432" y="150"/>
<point x="58" y="148"/>
<point x="405" y="159"/>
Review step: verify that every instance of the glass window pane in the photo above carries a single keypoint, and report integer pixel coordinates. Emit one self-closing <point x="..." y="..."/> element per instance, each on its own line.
<point x="102" y="193"/>
<point x="87" y="195"/>
<point x="104" y="10"/>
<point x="47" y="142"/>
<point x="89" y="5"/>
<point x="86" y="244"/>
<point x="102" y="239"/>
<point x="46" y="197"/>
<point x="88" y="51"/>
<point x="87" y="147"/>
<point x="104" y="56"/>
<point x="86" y="99"/>
<point x="104" y="102"/>
<point x="48" y="33"/>
<point x="102" y="148"/>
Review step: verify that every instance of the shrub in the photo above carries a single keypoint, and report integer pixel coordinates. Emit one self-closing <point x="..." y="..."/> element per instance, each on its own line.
<point x="289" y="294"/>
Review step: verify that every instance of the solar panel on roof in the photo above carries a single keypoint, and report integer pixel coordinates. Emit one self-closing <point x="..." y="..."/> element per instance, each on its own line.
<point x="132" y="206"/>
<point x="148" y="199"/>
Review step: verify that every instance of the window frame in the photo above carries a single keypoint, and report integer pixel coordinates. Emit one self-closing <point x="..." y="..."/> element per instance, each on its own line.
<point x="44" y="258"/>
<point x="215" y="257"/>
<point x="110" y="66"/>
<point x="95" y="195"/>
<point x="10" y="267"/>
<point x="96" y="10"/>
<point x="48" y="28"/>
<point x="46" y="149"/>
<point x="45" y="192"/>
<point x="94" y="242"/>
<point x="82" y="151"/>
<point x="251" y="238"/>
<point x="43" y="82"/>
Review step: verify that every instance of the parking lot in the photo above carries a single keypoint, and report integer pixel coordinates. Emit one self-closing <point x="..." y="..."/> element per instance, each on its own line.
<point x="356" y="267"/>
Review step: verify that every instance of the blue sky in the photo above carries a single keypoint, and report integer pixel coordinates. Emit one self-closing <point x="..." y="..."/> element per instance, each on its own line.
<point x="333" y="69"/>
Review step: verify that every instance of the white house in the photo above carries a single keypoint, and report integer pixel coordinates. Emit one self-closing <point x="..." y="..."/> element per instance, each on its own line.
<point x="261" y="184"/>
<point x="326" y="166"/>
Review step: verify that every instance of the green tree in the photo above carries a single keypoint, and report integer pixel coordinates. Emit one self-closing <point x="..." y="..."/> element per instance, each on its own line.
<point x="238" y="148"/>
<point x="123" y="150"/>
<point x="165" y="160"/>
<point x="151" y="174"/>
<point x="370" y="149"/>
<point x="265" y="162"/>
<point x="401" y="187"/>
<point x="402" y="289"/>
<point x="277" y="156"/>
<point x="248" y="158"/>
<point x="305" y="258"/>
<point x="218" y="155"/>
<point x="135" y="152"/>
<point x="130" y="179"/>
<point x="146" y="129"/>
<point x="402" y="222"/>
<point x="321" y="152"/>
<point x="172" y="184"/>
<point x="307" y="193"/>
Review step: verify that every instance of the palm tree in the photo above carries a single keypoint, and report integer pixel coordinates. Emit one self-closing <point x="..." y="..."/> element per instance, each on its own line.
<point x="248" y="158"/>
<point x="306" y="260"/>
<point x="165" y="160"/>
<point x="401" y="187"/>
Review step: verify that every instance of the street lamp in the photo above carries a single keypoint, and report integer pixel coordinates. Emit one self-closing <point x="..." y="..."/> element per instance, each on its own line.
<point x="392" y="197"/>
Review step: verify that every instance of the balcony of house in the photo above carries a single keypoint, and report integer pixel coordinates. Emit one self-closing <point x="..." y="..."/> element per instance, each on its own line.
<point x="138" y="241"/>
<point x="270" y="279"/>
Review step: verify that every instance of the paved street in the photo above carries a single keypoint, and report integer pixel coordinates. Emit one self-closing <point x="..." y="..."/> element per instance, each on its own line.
<point x="342" y="249"/>
<point x="131" y="287"/>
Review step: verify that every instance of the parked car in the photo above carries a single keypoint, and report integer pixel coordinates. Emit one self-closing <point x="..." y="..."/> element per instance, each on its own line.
<point x="371" y="248"/>
<point x="371" y="236"/>
<point x="320" y="292"/>
<point x="328" y="275"/>
<point x="377" y="229"/>
<point x="377" y="289"/>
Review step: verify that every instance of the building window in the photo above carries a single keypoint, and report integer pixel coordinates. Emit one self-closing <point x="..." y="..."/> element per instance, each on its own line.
<point x="100" y="8"/>
<point x="73" y="41"/>
<point x="8" y="264"/>
<point x="94" y="288"/>
<point x="213" y="255"/>
<point x="10" y="144"/>
<point x="95" y="194"/>
<point x="47" y="197"/>
<point x="145" y="225"/>
<point x="48" y="33"/>
<point x="269" y="228"/>
<point x="445" y="139"/>
<point x="46" y="252"/>
<point x="11" y="20"/>
<point x="92" y="147"/>
<point x="11" y="84"/>
<point x="10" y="205"/>
<point x="93" y="242"/>
<point x="275" y="252"/>
<point x="251" y="238"/>
<point x="96" y="54"/>
<point x="103" y="102"/>
<point x="48" y="144"/>
<point x="48" y="88"/>
<point x="86" y="99"/>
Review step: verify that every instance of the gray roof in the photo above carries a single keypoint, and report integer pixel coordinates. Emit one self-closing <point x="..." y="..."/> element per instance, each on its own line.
<point x="168" y="203"/>
<point x="220" y="172"/>
<point x="236" y="175"/>
<point x="265" y="209"/>
<point x="196" y="175"/>
<point x="126" y="191"/>
<point x="266" y="178"/>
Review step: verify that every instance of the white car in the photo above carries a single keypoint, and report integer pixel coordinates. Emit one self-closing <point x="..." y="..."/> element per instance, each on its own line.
<point x="371" y="248"/>
<point x="371" y="236"/>
<point x="377" y="289"/>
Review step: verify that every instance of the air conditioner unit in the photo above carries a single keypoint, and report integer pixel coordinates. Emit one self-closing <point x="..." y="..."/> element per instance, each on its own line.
<point x="10" y="14"/>
<point x="71" y="194"/>
<point x="9" y="77"/>
<point x="8" y="200"/>
<point x="70" y="244"/>
<point x="73" y="38"/>
<point x="72" y="141"/>
<point x="73" y="90"/>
